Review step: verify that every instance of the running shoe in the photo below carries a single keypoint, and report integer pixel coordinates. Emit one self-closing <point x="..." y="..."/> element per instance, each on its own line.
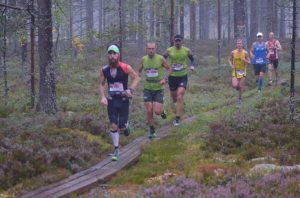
<point x="259" y="91"/>
<point x="127" y="130"/>
<point x="163" y="115"/>
<point x="152" y="133"/>
<point x="176" y="122"/>
<point x="270" y="83"/>
<point x="238" y="103"/>
<point x="116" y="155"/>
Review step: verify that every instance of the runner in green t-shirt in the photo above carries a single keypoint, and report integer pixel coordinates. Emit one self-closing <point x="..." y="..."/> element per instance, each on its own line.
<point x="153" y="65"/>
<point x="178" y="56"/>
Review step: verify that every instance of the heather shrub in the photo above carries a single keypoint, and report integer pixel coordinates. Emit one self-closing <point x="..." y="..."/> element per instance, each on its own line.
<point x="33" y="146"/>
<point x="251" y="134"/>
<point x="281" y="184"/>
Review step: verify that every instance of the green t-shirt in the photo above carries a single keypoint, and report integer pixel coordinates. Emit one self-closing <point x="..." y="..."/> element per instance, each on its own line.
<point x="178" y="59"/>
<point x="154" y="72"/>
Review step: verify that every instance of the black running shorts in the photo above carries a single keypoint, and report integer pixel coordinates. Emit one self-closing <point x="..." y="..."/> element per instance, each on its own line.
<point x="274" y="63"/>
<point x="175" y="82"/>
<point x="118" y="110"/>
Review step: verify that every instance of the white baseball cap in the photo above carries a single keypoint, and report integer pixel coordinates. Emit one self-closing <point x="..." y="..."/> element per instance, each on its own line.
<point x="259" y="34"/>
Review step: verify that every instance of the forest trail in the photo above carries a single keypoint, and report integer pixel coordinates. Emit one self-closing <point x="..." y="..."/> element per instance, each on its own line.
<point x="106" y="169"/>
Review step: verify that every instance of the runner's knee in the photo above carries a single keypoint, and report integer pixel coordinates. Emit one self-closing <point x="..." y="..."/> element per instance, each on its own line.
<point x="114" y="127"/>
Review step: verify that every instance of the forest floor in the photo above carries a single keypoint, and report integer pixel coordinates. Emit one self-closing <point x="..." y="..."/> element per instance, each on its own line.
<point x="213" y="155"/>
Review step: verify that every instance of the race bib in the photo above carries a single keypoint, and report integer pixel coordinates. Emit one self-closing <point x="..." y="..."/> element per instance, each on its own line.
<point x="177" y="67"/>
<point x="271" y="51"/>
<point x="116" y="87"/>
<point x="152" y="72"/>
<point x="259" y="60"/>
<point x="240" y="72"/>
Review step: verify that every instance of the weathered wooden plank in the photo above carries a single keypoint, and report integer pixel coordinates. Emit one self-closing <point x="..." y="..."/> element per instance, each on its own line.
<point x="100" y="172"/>
<point x="101" y="176"/>
<point x="125" y="156"/>
<point x="96" y="167"/>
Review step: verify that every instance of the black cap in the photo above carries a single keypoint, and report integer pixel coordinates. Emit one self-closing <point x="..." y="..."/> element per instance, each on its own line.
<point x="178" y="37"/>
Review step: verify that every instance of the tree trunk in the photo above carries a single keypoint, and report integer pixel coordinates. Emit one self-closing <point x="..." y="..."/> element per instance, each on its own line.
<point x="81" y="19"/>
<point x="13" y="37"/>
<point x="282" y="31"/>
<point x="71" y="25"/>
<point x="172" y="22"/>
<point x="271" y="17"/>
<point x="104" y="20"/>
<point x="152" y="19"/>
<point x="181" y="2"/>
<point x="100" y="28"/>
<point x="275" y="18"/>
<point x="24" y="43"/>
<point x="133" y="33"/>
<point x="24" y="62"/>
<point x="47" y="90"/>
<point x="247" y="24"/>
<point x="203" y="20"/>
<point x="253" y="22"/>
<point x="32" y="42"/>
<point x="89" y="24"/>
<point x="229" y="22"/>
<point x="263" y="21"/>
<point x="292" y="84"/>
<point x="4" y="21"/>
<point x="140" y="32"/>
<point x="157" y="19"/>
<point x="219" y="31"/>
<point x="193" y="20"/>
<point x="121" y="18"/>
<point x="240" y="21"/>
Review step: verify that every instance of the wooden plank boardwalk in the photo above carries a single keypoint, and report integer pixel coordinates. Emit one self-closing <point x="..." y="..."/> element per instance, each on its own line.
<point x="101" y="172"/>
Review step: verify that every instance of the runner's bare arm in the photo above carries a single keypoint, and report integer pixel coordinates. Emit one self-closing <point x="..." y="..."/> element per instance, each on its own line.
<point x="165" y="65"/>
<point x="230" y="60"/>
<point x="103" y="99"/>
<point x="251" y="51"/>
<point x="278" y="45"/>
<point x="134" y="78"/>
<point x="166" y="54"/>
<point x="140" y="67"/>
<point x="246" y="59"/>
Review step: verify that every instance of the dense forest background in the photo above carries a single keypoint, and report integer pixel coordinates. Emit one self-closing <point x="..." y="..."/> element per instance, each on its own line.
<point x="52" y="125"/>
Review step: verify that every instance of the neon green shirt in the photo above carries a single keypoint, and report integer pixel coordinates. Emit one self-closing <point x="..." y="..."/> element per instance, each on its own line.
<point x="154" y="72"/>
<point x="178" y="59"/>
